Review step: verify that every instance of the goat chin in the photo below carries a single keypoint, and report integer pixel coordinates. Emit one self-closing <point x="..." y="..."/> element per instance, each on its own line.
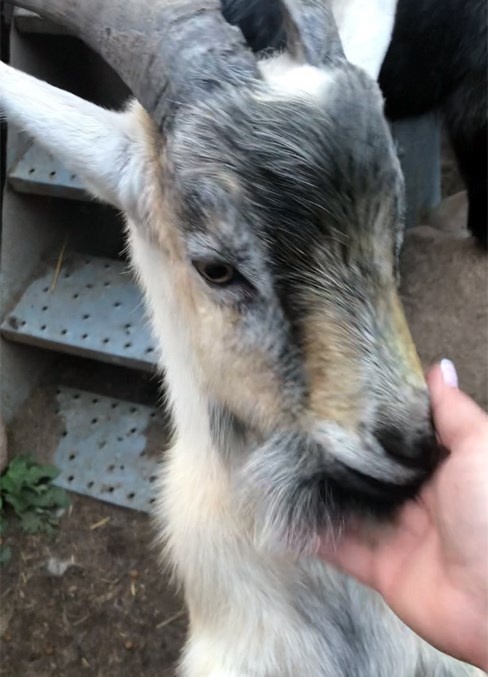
<point x="294" y="488"/>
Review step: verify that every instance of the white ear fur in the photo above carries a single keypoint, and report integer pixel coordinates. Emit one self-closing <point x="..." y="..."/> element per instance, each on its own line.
<point x="365" y="27"/>
<point x="97" y="144"/>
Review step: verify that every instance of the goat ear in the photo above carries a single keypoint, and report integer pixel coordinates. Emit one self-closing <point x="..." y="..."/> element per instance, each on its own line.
<point x="365" y="29"/>
<point x="92" y="142"/>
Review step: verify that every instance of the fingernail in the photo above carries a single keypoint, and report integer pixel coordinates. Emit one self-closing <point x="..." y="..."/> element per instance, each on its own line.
<point x="449" y="373"/>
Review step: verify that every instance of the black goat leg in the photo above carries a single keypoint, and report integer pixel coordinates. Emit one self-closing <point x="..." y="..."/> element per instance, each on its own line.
<point x="466" y="121"/>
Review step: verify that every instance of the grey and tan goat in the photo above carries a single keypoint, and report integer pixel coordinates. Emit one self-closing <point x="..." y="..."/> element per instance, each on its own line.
<point x="263" y="203"/>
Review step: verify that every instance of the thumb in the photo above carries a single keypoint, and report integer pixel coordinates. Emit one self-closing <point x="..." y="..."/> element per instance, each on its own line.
<point x="456" y="416"/>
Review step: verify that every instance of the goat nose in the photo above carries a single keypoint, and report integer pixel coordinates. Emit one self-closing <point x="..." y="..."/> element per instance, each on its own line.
<point x="420" y="451"/>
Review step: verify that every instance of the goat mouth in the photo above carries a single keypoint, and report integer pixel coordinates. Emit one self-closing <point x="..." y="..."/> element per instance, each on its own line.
<point x="297" y="489"/>
<point x="355" y="494"/>
<point x="292" y="517"/>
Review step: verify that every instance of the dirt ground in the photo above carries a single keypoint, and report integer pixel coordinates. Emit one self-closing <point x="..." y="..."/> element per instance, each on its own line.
<point x="112" y="612"/>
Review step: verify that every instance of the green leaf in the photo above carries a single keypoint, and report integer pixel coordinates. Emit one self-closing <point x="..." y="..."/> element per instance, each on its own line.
<point x="39" y="501"/>
<point x="31" y="522"/>
<point x="40" y="473"/>
<point x="36" y="488"/>
<point x="59" y="498"/>
<point x="10" y="485"/>
<point x="17" y="468"/>
<point x="30" y="493"/>
<point x="51" y="497"/>
<point x="26" y="487"/>
<point x="5" y="554"/>
<point x="18" y="503"/>
<point x="38" y="522"/>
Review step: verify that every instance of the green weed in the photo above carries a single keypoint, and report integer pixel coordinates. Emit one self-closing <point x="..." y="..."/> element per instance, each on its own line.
<point x="27" y="491"/>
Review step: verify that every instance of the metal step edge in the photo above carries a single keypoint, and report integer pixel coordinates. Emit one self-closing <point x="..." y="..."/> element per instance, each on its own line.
<point x="39" y="173"/>
<point x="91" y="308"/>
<point x="103" y="449"/>
<point x="30" y="22"/>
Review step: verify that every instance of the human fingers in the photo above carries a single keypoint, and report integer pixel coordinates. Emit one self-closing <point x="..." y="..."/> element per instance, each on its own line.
<point x="456" y="416"/>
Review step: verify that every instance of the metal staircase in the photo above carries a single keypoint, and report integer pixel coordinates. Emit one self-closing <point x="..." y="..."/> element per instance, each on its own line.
<point x="65" y="290"/>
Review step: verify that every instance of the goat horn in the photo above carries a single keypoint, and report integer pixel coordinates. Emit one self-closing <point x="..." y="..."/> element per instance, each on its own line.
<point x="168" y="52"/>
<point x="311" y="32"/>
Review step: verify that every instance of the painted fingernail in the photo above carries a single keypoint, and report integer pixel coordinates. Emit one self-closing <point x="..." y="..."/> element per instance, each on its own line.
<point x="449" y="373"/>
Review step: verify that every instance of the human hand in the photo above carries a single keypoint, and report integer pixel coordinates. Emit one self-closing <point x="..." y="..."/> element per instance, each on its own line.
<point x="431" y="567"/>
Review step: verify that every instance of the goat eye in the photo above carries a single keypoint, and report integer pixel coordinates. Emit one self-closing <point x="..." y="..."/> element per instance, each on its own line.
<point x="215" y="272"/>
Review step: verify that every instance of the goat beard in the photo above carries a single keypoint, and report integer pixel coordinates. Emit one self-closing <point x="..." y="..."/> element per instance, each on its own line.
<point x="292" y="490"/>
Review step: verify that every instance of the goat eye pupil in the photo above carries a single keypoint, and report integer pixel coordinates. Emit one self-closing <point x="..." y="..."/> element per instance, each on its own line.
<point x="217" y="273"/>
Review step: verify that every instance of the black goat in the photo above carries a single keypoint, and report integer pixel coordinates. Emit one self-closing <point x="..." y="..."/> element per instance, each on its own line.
<point x="437" y="60"/>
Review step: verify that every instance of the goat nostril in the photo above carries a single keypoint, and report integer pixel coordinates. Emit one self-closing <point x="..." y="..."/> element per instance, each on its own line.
<point x="415" y="451"/>
<point x="394" y="443"/>
<point x="430" y="451"/>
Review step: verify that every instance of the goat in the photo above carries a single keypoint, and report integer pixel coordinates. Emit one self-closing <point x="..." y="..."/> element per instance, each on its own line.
<point x="263" y="204"/>
<point x="436" y="61"/>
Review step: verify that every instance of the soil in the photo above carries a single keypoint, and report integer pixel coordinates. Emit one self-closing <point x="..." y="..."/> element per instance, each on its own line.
<point x="113" y="612"/>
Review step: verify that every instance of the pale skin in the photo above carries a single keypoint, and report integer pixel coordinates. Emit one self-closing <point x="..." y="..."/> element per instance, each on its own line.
<point x="432" y="566"/>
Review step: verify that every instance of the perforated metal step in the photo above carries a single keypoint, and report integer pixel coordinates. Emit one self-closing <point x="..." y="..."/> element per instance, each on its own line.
<point x="109" y="449"/>
<point x="92" y="308"/>
<point x="29" y="22"/>
<point x="39" y="173"/>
